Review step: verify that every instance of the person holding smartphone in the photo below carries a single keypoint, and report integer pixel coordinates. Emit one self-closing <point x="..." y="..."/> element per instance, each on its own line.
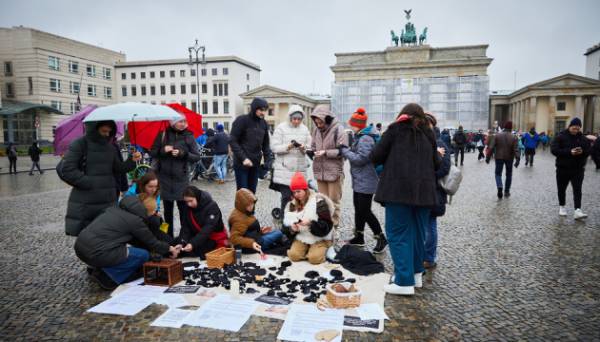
<point x="571" y="149"/>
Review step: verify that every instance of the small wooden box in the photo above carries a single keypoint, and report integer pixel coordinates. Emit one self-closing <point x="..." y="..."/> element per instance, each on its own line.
<point x="166" y="272"/>
<point x="220" y="257"/>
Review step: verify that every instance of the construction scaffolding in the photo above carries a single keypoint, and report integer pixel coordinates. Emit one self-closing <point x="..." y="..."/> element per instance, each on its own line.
<point x="453" y="100"/>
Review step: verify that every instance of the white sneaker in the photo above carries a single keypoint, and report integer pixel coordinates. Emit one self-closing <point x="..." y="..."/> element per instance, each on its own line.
<point x="418" y="280"/>
<point x="578" y="214"/>
<point x="399" y="290"/>
<point x="562" y="211"/>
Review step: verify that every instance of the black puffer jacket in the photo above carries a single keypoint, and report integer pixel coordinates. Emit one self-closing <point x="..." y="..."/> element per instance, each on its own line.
<point x="34" y="152"/>
<point x="95" y="187"/>
<point x="220" y="143"/>
<point x="409" y="159"/>
<point x="104" y="242"/>
<point x="442" y="198"/>
<point x="207" y="215"/>
<point x="249" y="136"/>
<point x="562" y="145"/>
<point x="173" y="171"/>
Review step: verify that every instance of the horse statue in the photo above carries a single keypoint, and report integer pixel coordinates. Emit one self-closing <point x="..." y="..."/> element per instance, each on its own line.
<point x="395" y="38"/>
<point x="423" y="36"/>
<point x="409" y="36"/>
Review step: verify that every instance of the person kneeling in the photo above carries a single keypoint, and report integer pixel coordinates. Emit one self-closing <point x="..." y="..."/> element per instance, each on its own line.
<point x="203" y="229"/>
<point x="308" y="216"/>
<point x="103" y="244"/>
<point x="246" y="231"/>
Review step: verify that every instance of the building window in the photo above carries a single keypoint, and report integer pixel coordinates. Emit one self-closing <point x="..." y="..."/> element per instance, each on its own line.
<point x="143" y="75"/>
<point x="133" y="75"/>
<point x="152" y="90"/>
<point x="561" y="106"/>
<point x="247" y="87"/>
<point x="247" y="77"/>
<point x="193" y="88"/>
<point x="181" y="73"/>
<point x="30" y="83"/>
<point x="173" y="89"/>
<point x="107" y="92"/>
<point x="8" y="69"/>
<point x="226" y="89"/>
<point x="204" y="88"/>
<point x="183" y="89"/>
<point x="194" y="106"/>
<point x="73" y="109"/>
<point x="214" y="71"/>
<point x="163" y="89"/>
<point x="91" y="90"/>
<point x="53" y="63"/>
<point x="123" y="91"/>
<point x="152" y="74"/>
<point x="172" y="73"/>
<point x="133" y="91"/>
<point x="183" y="104"/>
<point x="220" y="89"/>
<point x="203" y="72"/>
<point x="204" y="107"/>
<point x="10" y="92"/>
<point x="215" y="107"/>
<point x="107" y="73"/>
<point x="225" y="71"/>
<point x="91" y="70"/>
<point x="205" y="126"/>
<point x="162" y="102"/>
<point x="215" y="89"/>
<point x="74" y="87"/>
<point x="55" y="85"/>
<point x="225" y="107"/>
<point x="123" y="76"/>
<point x="153" y="102"/>
<point x="162" y="74"/>
<point x="73" y="67"/>
<point x="56" y="104"/>
<point x="192" y="72"/>
<point x="270" y="113"/>
<point x="143" y="90"/>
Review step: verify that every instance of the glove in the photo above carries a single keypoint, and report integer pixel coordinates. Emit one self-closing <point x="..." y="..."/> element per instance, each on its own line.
<point x="517" y="162"/>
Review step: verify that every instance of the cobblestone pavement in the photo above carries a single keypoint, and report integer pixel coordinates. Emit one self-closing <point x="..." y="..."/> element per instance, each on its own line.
<point x="508" y="270"/>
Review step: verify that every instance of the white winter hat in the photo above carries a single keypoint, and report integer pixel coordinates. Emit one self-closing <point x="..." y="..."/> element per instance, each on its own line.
<point x="295" y="109"/>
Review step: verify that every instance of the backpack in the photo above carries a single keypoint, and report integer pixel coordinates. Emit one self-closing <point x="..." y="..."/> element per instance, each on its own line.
<point x="12" y="152"/>
<point x="451" y="182"/>
<point x="460" y="139"/>
<point x="82" y="164"/>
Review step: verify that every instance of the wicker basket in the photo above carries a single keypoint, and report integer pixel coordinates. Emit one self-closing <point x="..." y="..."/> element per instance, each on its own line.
<point x="220" y="257"/>
<point x="343" y="300"/>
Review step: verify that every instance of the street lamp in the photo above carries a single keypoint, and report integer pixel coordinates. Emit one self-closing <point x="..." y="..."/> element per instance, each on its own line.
<point x="196" y="48"/>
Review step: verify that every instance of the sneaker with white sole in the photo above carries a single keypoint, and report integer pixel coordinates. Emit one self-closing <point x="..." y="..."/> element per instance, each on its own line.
<point x="399" y="290"/>
<point x="418" y="279"/>
<point x="578" y="214"/>
<point x="562" y="211"/>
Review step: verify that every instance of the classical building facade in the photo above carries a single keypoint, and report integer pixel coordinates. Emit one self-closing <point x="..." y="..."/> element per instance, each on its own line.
<point x="220" y="81"/>
<point x="451" y="82"/>
<point x="280" y="101"/>
<point x="48" y="70"/>
<point x="592" y="62"/>
<point x="549" y="105"/>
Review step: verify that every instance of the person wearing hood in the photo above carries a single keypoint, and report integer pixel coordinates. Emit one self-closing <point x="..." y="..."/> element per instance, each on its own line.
<point x="11" y="152"/>
<point x="407" y="190"/>
<point x="246" y="232"/>
<point x="328" y="164"/>
<point x="249" y="141"/>
<point x="460" y="140"/>
<point x="571" y="149"/>
<point x="34" y="153"/>
<point x="220" y="146"/>
<point x="92" y="165"/>
<point x="174" y="149"/>
<point x="289" y="143"/>
<point x="103" y="244"/>
<point x="531" y="140"/>
<point x="202" y="230"/>
<point x="505" y="148"/>
<point x="364" y="179"/>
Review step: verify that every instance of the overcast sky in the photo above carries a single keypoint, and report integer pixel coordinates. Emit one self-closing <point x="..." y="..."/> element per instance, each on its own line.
<point x="294" y="41"/>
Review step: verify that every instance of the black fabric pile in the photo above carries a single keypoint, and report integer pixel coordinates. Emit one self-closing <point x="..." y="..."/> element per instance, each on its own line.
<point x="358" y="261"/>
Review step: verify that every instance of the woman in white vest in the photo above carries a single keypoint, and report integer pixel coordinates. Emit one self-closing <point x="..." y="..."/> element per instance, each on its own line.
<point x="289" y="144"/>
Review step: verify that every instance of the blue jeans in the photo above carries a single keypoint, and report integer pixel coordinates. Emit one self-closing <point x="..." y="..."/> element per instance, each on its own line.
<point x="220" y="164"/>
<point x="246" y="177"/>
<point x="431" y="240"/>
<point x="509" y="168"/>
<point x="405" y="227"/>
<point x="270" y="239"/>
<point x="135" y="259"/>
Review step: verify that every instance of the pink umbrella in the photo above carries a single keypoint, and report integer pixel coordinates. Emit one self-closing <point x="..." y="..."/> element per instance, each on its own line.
<point x="73" y="127"/>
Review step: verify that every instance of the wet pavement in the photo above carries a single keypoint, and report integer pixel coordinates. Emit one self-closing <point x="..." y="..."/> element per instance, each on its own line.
<point x="508" y="270"/>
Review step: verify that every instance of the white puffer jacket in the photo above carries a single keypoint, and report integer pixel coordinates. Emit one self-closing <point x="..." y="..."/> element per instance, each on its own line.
<point x="309" y="213"/>
<point x="288" y="162"/>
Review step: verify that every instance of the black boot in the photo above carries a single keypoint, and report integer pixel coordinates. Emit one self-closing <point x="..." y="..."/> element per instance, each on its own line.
<point x="500" y="193"/>
<point x="103" y="280"/>
<point x="358" y="239"/>
<point x="381" y="244"/>
<point x="507" y="193"/>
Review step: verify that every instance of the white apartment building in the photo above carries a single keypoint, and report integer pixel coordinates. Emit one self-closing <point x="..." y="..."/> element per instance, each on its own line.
<point x="592" y="62"/>
<point x="220" y="80"/>
<point x="39" y="68"/>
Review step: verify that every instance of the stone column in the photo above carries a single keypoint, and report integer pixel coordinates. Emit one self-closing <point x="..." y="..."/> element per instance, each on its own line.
<point x="492" y="114"/>
<point x="596" y="114"/>
<point x="579" y="107"/>
<point x="532" y="111"/>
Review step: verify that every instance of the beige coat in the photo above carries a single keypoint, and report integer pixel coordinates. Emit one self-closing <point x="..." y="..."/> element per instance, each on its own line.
<point x="329" y="167"/>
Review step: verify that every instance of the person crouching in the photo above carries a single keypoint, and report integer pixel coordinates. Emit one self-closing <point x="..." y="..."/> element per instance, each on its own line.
<point x="308" y="217"/>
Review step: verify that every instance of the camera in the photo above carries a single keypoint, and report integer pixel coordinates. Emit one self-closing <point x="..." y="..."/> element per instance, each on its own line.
<point x="295" y="143"/>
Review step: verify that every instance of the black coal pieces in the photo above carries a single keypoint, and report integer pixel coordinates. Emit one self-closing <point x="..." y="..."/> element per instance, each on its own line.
<point x="271" y="293"/>
<point x="272" y="268"/>
<point x="251" y="290"/>
<point x="311" y="274"/>
<point x="336" y="273"/>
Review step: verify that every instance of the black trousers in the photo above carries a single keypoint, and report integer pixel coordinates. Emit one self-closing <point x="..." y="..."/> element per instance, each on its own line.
<point x="169" y="206"/>
<point x="363" y="213"/>
<point x="575" y="177"/>
<point x="481" y="155"/>
<point x="460" y="149"/>
<point x="286" y="195"/>
<point x="529" y="154"/>
<point x="12" y="165"/>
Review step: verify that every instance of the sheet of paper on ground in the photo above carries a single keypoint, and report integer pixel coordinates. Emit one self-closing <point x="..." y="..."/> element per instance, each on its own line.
<point x="303" y="322"/>
<point x="223" y="312"/>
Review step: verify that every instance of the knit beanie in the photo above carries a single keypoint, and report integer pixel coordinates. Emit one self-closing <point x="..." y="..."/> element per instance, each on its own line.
<point x="174" y="121"/>
<point x="575" y="122"/>
<point x="508" y="125"/>
<point x="298" y="182"/>
<point x="220" y="128"/>
<point x="359" y="118"/>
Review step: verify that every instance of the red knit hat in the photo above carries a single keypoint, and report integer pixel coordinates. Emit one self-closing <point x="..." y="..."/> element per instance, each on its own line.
<point x="298" y="182"/>
<point x="359" y="118"/>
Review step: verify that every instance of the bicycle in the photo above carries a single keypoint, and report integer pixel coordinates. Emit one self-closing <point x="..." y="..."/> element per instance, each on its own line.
<point x="205" y="168"/>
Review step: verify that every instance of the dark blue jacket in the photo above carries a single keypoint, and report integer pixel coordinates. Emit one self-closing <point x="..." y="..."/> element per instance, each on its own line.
<point x="220" y="143"/>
